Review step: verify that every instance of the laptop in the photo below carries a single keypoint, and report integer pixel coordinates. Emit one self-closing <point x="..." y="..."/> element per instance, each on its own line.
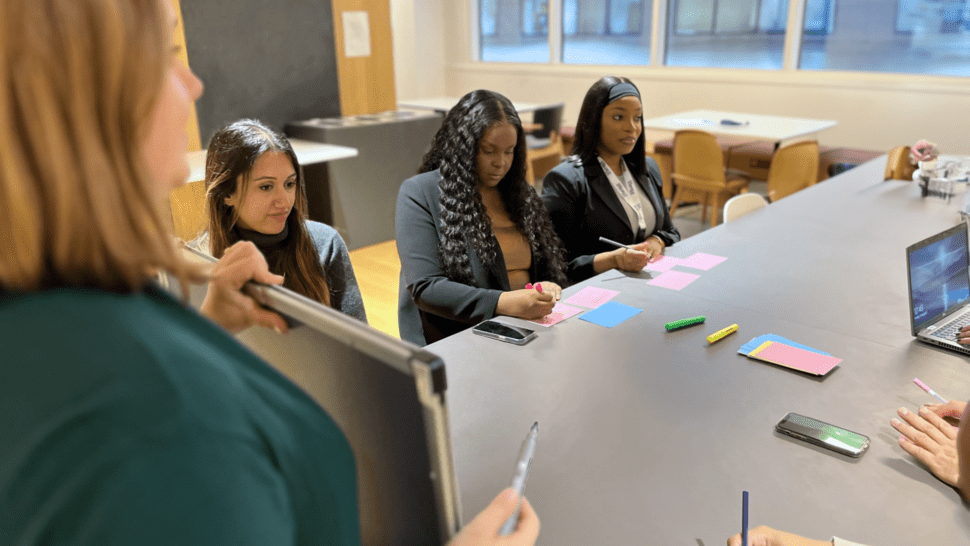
<point x="939" y="287"/>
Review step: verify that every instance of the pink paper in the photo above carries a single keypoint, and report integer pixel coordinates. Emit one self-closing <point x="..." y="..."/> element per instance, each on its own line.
<point x="591" y="296"/>
<point x="702" y="261"/>
<point x="663" y="264"/>
<point x="675" y="280"/>
<point x="793" y="357"/>
<point x="559" y="313"/>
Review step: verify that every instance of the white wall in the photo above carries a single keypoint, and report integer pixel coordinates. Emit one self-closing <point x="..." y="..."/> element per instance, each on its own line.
<point x="418" y="28"/>
<point x="874" y="111"/>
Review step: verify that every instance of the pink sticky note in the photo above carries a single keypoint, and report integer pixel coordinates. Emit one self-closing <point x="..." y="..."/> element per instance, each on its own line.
<point x="664" y="263"/>
<point x="795" y="358"/>
<point x="702" y="261"/>
<point x="591" y="296"/>
<point x="675" y="280"/>
<point x="559" y="313"/>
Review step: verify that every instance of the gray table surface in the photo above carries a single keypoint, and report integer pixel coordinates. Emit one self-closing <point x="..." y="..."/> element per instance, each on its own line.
<point x="648" y="437"/>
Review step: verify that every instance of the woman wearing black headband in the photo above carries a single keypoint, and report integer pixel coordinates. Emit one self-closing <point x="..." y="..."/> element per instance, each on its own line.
<point x="608" y="187"/>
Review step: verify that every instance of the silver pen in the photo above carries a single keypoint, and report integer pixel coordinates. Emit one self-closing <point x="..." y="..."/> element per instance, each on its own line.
<point x="521" y="475"/>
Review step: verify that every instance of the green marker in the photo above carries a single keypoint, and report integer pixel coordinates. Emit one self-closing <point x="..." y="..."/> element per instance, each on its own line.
<point x="683" y="323"/>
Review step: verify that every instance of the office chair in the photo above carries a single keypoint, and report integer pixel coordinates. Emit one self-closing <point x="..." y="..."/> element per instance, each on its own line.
<point x="739" y="205"/>
<point x="793" y="168"/>
<point x="698" y="171"/>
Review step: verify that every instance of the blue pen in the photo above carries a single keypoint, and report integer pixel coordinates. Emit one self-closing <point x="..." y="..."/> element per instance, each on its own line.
<point x="744" y="518"/>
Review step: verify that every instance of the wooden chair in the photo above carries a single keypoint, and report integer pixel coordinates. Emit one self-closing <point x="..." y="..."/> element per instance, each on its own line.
<point x="739" y="205"/>
<point x="698" y="172"/>
<point x="793" y="168"/>
<point x="188" y="210"/>
<point x="553" y="150"/>
<point x="898" y="166"/>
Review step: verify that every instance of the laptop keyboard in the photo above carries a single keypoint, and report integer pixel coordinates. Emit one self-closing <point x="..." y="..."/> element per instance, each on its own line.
<point x="949" y="332"/>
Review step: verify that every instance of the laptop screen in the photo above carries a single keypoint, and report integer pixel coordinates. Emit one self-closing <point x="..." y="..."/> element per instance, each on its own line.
<point x="938" y="278"/>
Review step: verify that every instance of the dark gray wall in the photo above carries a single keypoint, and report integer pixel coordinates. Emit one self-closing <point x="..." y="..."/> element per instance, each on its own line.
<point x="273" y="60"/>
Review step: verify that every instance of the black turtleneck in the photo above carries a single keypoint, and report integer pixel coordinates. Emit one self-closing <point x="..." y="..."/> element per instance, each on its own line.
<point x="265" y="243"/>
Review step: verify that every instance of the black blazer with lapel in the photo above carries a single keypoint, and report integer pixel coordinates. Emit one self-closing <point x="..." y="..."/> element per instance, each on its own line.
<point x="584" y="207"/>
<point x="430" y="305"/>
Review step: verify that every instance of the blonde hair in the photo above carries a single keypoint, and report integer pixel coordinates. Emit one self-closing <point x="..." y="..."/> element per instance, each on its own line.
<point x="231" y="154"/>
<point x="77" y="202"/>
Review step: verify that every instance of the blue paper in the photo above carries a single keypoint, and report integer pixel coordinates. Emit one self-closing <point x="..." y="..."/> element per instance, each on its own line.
<point x="756" y="342"/>
<point x="610" y="314"/>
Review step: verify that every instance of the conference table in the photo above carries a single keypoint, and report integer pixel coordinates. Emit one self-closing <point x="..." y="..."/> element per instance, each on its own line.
<point x="777" y="129"/>
<point x="650" y="437"/>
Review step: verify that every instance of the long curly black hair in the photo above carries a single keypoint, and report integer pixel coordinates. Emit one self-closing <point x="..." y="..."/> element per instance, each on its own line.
<point x="464" y="220"/>
<point x="590" y="124"/>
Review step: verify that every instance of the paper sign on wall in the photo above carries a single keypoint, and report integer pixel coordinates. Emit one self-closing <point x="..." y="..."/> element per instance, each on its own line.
<point x="356" y="34"/>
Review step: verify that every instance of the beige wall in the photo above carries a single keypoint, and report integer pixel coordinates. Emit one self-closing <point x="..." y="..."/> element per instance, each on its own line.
<point x="874" y="111"/>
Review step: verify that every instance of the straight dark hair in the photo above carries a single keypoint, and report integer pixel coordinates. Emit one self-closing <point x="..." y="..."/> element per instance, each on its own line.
<point x="590" y="123"/>
<point x="231" y="155"/>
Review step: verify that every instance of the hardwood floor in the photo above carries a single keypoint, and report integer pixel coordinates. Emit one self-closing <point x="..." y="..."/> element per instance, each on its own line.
<point x="378" y="269"/>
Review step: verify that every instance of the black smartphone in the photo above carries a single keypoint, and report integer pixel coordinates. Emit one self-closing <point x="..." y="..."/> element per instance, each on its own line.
<point x="824" y="435"/>
<point x="504" y="332"/>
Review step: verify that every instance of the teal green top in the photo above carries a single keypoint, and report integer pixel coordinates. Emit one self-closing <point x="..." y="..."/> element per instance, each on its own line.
<point x="130" y="419"/>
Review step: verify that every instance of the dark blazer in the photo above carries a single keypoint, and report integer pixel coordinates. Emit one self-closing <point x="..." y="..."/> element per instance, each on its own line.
<point x="430" y="305"/>
<point x="584" y="207"/>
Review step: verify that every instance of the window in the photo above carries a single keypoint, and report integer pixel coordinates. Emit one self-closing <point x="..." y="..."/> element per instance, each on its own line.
<point x="514" y="30"/>
<point x="905" y="36"/>
<point x="727" y="33"/>
<point x="606" y="31"/>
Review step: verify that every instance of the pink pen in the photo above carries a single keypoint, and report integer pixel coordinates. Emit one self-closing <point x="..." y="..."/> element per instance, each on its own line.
<point x="926" y="388"/>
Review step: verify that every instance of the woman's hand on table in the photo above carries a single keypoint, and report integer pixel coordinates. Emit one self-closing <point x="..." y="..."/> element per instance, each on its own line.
<point x="551" y="288"/>
<point x="653" y="247"/>
<point x="631" y="260"/>
<point x="483" y="530"/>
<point x="953" y="409"/>
<point x="931" y="440"/>
<point x="527" y="303"/>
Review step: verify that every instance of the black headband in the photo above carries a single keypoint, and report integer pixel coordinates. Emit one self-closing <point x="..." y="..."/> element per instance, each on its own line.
<point x="622" y="89"/>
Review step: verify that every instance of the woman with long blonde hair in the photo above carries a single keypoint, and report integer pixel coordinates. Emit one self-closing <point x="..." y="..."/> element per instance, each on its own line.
<point x="255" y="192"/>
<point x="125" y="417"/>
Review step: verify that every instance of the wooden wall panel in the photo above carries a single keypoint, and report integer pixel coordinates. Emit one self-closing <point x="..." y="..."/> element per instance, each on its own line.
<point x="193" y="126"/>
<point x="366" y="83"/>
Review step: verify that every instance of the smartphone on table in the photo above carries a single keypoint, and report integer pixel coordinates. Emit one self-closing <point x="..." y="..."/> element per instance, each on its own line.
<point x="504" y="332"/>
<point x="823" y="434"/>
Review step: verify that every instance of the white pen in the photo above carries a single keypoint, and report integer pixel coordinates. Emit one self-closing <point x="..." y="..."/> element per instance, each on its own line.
<point x="521" y="476"/>
<point x="616" y="244"/>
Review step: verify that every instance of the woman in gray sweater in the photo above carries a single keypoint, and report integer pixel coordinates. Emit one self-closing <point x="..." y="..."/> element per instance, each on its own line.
<point x="255" y="192"/>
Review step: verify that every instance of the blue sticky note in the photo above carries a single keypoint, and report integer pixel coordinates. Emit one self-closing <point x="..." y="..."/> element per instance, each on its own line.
<point x="610" y="314"/>
<point x="756" y="342"/>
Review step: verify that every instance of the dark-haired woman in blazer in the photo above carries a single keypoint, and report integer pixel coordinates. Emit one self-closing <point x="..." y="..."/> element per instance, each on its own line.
<point x="472" y="234"/>
<point x="608" y="188"/>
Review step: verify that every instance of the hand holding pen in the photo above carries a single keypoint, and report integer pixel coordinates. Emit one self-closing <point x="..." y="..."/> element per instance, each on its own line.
<point x="484" y="529"/>
<point x="635" y="257"/>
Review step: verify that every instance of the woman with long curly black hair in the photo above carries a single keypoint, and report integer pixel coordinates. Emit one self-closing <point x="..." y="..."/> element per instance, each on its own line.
<point x="471" y="232"/>
<point x="608" y="188"/>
